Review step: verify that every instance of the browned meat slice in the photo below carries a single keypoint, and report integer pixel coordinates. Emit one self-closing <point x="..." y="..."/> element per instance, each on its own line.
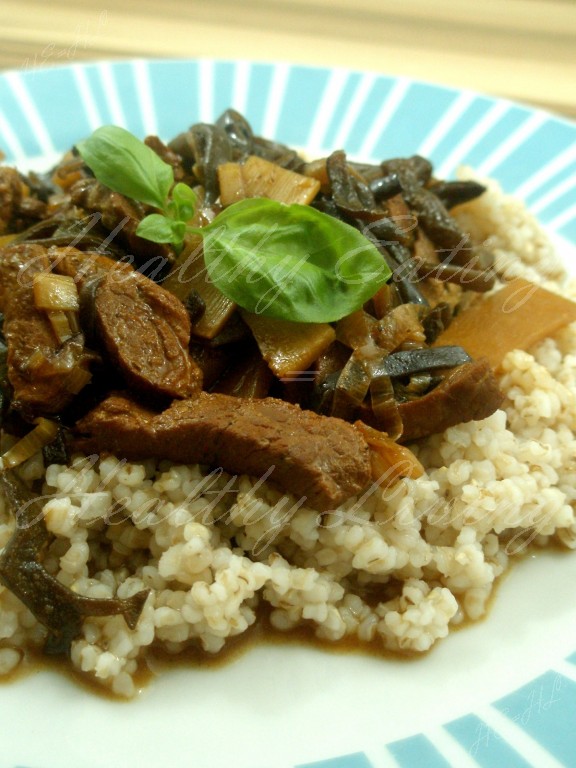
<point x="146" y="332"/>
<point x="41" y="370"/>
<point x="84" y="266"/>
<point x="468" y="392"/>
<point x="144" y="328"/>
<point x="321" y="458"/>
<point x="18" y="206"/>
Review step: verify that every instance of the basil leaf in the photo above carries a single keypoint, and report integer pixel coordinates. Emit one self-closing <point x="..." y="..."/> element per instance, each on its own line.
<point x="161" y="229"/>
<point x="184" y="200"/>
<point x="291" y="261"/>
<point x="126" y="165"/>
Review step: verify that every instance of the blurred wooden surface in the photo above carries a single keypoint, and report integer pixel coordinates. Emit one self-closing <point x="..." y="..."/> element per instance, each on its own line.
<point x="519" y="49"/>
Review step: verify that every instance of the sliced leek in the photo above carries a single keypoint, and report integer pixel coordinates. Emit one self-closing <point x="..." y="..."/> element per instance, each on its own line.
<point x="43" y="433"/>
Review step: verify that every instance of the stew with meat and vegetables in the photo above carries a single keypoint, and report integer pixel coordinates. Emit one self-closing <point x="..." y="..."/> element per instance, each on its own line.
<point x="222" y="300"/>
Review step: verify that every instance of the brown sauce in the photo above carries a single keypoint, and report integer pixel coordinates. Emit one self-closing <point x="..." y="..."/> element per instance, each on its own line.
<point x="156" y="660"/>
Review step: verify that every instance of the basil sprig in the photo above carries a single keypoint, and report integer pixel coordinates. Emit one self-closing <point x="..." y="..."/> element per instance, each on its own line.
<point x="291" y="261"/>
<point x="126" y="165"/>
<point x="286" y="261"/>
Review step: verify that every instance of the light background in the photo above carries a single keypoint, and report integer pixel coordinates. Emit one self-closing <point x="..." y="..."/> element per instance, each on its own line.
<point x="519" y="49"/>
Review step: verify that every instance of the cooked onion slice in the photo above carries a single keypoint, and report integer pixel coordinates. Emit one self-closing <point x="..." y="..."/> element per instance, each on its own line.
<point x="77" y="379"/>
<point x="43" y="433"/>
<point x="55" y="292"/>
<point x="389" y="461"/>
<point x="60" y="325"/>
<point x="189" y="276"/>
<point x="351" y="388"/>
<point x="58" y="296"/>
<point x="288" y="348"/>
<point x="258" y="177"/>
<point x="383" y="402"/>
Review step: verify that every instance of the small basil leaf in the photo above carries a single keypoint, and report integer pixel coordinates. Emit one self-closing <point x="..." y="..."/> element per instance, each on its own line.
<point x="126" y="165"/>
<point x="183" y="195"/>
<point x="291" y="261"/>
<point x="161" y="229"/>
<point x="185" y="200"/>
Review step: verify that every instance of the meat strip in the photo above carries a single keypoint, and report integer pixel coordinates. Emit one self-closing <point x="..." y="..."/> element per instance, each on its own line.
<point x="323" y="459"/>
<point x="468" y="392"/>
<point x="146" y="332"/>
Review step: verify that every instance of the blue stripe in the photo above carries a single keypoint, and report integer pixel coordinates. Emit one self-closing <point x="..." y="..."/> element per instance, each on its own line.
<point x="342" y="104"/>
<point x="421" y="107"/>
<point x="356" y="760"/>
<point x="462" y="127"/>
<point x="55" y="95"/>
<point x="562" y="203"/>
<point x="547" y="141"/>
<point x="569" y="231"/>
<point x="305" y="89"/>
<point x="484" y="744"/>
<point x="367" y="114"/>
<point x="258" y="96"/>
<point x="417" y="751"/>
<point x="98" y="91"/>
<point x="174" y="88"/>
<point x="498" y="133"/>
<point x="123" y="74"/>
<point x="223" y="96"/>
<point x="546" y="709"/>
<point x="568" y="172"/>
<point x="12" y="113"/>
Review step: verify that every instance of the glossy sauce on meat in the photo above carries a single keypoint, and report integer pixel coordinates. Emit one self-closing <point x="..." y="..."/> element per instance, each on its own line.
<point x="322" y="459"/>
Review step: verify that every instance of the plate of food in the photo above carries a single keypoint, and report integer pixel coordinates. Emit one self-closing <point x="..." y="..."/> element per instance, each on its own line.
<point x="288" y="420"/>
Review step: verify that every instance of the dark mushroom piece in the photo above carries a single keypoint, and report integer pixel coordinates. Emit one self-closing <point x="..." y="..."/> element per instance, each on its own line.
<point x="278" y="153"/>
<point x="55" y="606"/>
<point x="205" y="147"/>
<point x="355" y="199"/>
<point x="349" y="190"/>
<point x="400" y="261"/>
<point x="385" y="187"/>
<point x="239" y="133"/>
<point x="195" y="306"/>
<point x="409" y="361"/>
<point x="453" y="193"/>
<point x="433" y="217"/>
<point x="436" y="320"/>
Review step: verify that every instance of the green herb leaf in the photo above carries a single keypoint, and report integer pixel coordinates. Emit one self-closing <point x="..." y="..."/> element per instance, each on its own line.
<point x="125" y="164"/>
<point x="184" y="200"/>
<point x="286" y="261"/>
<point x="291" y="261"/>
<point x="161" y="229"/>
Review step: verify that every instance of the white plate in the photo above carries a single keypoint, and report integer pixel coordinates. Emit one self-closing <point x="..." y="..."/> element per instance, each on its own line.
<point x="498" y="693"/>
